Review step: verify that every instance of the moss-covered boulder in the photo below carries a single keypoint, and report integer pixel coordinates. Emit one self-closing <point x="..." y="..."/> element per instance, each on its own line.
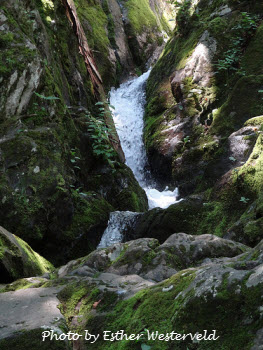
<point x="221" y="296"/>
<point x="204" y="87"/>
<point x="203" y="114"/>
<point x="150" y="260"/>
<point x="18" y="260"/>
<point x="56" y="191"/>
<point x="221" y="293"/>
<point x="184" y="216"/>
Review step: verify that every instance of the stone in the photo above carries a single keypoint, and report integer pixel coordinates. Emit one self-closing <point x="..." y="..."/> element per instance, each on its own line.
<point x="17" y="259"/>
<point x="199" y="65"/>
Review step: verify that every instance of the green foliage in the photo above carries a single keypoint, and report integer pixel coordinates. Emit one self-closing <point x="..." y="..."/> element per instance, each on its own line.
<point x="100" y="134"/>
<point x="74" y="158"/>
<point x="49" y="98"/>
<point x="241" y="33"/>
<point x="140" y="15"/>
<point x="244" y="200"/>
<point x="186" y="139"/>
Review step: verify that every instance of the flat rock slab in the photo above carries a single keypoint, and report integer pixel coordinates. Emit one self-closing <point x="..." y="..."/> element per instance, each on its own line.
<point x="28" y="309"/>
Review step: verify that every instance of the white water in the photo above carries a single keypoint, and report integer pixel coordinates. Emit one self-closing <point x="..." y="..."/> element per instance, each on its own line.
<point x="129" y="101"/>
<point x="119" y="221"/>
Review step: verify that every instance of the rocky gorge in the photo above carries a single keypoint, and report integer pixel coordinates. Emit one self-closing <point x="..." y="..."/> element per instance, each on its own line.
<point x="68" y="71"/>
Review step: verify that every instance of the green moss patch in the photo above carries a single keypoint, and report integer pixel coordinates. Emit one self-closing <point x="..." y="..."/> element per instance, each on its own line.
<point x="140" y="15"/>
<point x="17" y="259"/>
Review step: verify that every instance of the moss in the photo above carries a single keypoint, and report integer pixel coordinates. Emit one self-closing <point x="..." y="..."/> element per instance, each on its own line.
<point x="216" y="219"/>
<point x="120" y="257"/>
<point x="251" y="172"/>
<point x="35" y="264"/>
<point x="140" y="15"/>
<point x="73" y="294"/>
<point x="18" y="260"/>
<point x="187" y="313"/>
<point x="139" y="312"/>
<point x="129" y="197"/>
<point x="253" y="56"/>
<point x="132" y="200"/>
<point x="99" y="29"/>
<point x="236" y="110"/>
<point x="88" y="212"/>
<point x="148" y="258"/>
<point x="17" y="285"/>
<point x="217" y="26"/>
<point x="184" y="216"/>
<point x="256" y="121"/>
<point x="32" y="339"/>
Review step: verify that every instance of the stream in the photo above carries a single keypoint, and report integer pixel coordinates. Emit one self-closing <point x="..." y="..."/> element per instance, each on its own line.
<point x="129" y="102"/>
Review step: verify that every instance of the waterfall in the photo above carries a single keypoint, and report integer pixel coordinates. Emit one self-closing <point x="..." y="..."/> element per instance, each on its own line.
<point x="119" y="222"/>
<point x="129" y="101"/>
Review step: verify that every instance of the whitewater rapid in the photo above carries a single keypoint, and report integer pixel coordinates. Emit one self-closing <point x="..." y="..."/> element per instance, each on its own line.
<point x="129" y="101"/>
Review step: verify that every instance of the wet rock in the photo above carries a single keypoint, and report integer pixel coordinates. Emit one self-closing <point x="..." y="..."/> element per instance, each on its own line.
<point x="53" y="187"/>
<point x="199" y="65"/>
<point x="154" y="262"/>
<point x="25" y="314"/>
<point x="162" y="223"/>
<point x="192" y="294"/>
<point x="18" y="260"/>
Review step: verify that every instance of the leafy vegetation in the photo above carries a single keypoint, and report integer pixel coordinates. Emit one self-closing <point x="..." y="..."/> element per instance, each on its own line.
<point x="242" y="31"/>
<point x="101" y="134"/>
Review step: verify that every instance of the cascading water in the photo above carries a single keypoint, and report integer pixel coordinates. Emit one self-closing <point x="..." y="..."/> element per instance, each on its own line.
<point x="129" y="102"/>
<point x="119" y="221"/>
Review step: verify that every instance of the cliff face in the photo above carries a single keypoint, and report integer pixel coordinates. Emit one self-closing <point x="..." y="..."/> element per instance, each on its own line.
<point x="56" y="192"/>
<point x="204" y="113"/>
<point x="124" y="35"/>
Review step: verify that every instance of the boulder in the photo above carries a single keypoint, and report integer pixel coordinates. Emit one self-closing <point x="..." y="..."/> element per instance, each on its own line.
<point x="25" y="314"/>
<point x="154" y="262"/>
<point x="17" y="259"/>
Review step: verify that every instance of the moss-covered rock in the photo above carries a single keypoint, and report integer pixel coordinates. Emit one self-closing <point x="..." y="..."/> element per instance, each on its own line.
<point x="159" y="223"/>
<point x="119" y="33"/>
<point x="18" y="260"/>
<point x="195" y="84"/>
<point x="100" y="300"/>
<point x="49" y="190"/>
<point x="119" y="188"/>
<point x="145" y="22"/>
<point x="236" y="110"/>
<point x="32" y="340"/>
<point x="187" y="302"/>
<point x="202" y="120"/>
